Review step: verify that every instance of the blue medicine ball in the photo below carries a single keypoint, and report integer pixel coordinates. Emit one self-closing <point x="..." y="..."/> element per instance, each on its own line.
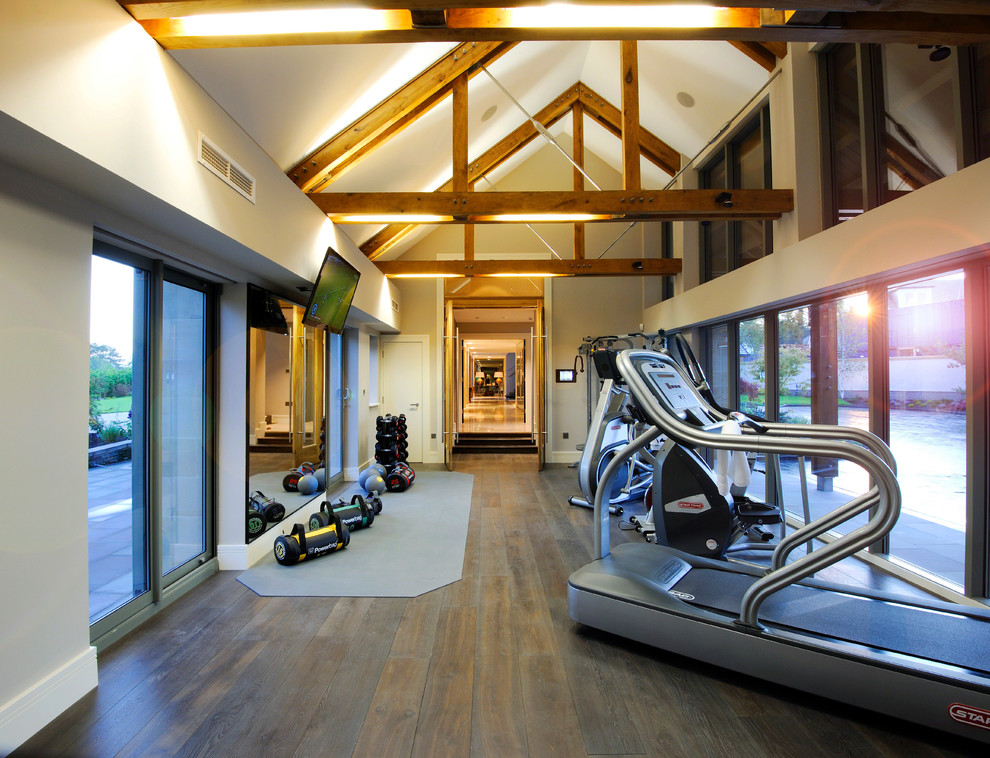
<point x="375" y="484"/>
<point x="308" y="484"/>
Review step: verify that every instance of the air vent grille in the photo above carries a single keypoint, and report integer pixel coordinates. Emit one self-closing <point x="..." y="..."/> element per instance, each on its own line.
<point x="213" y="158"/>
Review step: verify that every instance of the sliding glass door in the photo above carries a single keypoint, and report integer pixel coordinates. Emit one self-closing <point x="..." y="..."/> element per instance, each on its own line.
<point x="118" y="395"/>
<point x="184" y="425"/>
<point x="150" y="483"/>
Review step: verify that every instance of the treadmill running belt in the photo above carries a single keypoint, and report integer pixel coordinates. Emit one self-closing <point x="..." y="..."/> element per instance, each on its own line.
<point x="926" y="633"/>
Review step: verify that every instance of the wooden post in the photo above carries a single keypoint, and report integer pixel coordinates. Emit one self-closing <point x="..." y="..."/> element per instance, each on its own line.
<point x="631" y="179"/>
<point x="460" y="154"/>
<point x="577" y="114"/>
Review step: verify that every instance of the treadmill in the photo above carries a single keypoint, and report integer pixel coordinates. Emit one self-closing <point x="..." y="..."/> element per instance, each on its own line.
<point x="924" y="661"/>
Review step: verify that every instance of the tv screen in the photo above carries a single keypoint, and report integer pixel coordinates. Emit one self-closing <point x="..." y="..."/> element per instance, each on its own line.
<point x="264" y="311"/>
<point x="332" y="294"/>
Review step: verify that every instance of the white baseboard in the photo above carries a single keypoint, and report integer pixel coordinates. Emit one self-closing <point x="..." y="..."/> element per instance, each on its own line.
<point x="25" y="715"/>
<point x="565" y="456"/>
<point x="241" y="557"/>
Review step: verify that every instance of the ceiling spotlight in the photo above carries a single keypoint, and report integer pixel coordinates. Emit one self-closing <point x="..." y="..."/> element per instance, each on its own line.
<point x="724" y="199"/>
<point x="940" y="53"/>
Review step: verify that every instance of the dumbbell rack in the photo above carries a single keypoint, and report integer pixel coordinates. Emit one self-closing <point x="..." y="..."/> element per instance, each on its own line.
<point x="392" y="451"/>
<point x="391" y="440"/>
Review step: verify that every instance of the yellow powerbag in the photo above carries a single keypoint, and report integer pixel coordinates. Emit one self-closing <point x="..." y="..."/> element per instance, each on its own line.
<point x="299" y="544"/>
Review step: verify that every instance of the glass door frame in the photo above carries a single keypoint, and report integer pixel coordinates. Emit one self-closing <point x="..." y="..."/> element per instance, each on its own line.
<point x="163" y="587"/>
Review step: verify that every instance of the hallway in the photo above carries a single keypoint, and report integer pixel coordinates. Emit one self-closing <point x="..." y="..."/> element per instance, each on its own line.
<point x="493" y="414"/>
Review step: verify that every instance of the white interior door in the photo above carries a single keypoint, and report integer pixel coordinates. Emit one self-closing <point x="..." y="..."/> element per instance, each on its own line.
<point x="404" y="386"/>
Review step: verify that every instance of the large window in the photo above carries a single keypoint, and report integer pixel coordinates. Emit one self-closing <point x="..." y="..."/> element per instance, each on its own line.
<point x="743" y="163"/>
<point x="896" y="360"/>
<point x="184" y="424"/>
<point x="927" y="368"/>
<point x="892" y="123"/>
<point x="150" y="429"/>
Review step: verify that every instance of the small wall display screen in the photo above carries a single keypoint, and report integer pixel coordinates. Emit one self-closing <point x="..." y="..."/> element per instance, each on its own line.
<point x="566" y="375"/>
<point x="332" y="294"/>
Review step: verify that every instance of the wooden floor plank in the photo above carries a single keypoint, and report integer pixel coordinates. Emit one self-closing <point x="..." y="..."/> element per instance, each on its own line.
<point x="417" y="628"/>
<point x="390" y="726"/>
<point x="445" y="720"/>
<point x="499" y="721"/>
<point x="552" y="726"/>
<point x="337" y="720"/>
<point x="233" y="720"/>
<point x="173" y="725"/>
<point x="493" y="561"/>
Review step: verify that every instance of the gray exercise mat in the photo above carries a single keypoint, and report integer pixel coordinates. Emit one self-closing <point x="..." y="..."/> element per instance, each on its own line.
<point x="414" y="546"/>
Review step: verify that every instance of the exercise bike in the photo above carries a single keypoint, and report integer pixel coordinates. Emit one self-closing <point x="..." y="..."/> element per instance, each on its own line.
<point x="611" y="428"/>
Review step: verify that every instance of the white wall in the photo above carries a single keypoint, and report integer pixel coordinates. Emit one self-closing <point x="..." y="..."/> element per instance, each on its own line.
<point x="583" y="307"/>
<point x="44" y="344"/>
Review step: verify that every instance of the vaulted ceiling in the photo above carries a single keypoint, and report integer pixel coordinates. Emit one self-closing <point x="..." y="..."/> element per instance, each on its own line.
<point x="411" y="114"/>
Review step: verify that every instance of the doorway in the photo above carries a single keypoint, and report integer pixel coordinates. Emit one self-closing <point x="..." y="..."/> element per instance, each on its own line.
<point x="492" y="380"/>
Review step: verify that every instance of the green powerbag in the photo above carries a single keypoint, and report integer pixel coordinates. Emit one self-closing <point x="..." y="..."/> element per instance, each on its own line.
<point x="357" y="514"/>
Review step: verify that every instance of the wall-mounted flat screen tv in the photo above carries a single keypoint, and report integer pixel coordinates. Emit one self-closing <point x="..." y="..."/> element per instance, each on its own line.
<point x="332" y="294"/>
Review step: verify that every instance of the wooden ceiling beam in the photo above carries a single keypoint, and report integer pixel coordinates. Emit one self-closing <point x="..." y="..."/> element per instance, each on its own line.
<point x="393" y="114"/>
<point x="653" y="148"/>
<point x="521" y="207"/>
<point x="758" y="52"/>
<point x="541" y="267"/>
<point x="491" y="159"/>
<point x="153" y="9"/>
<point x="496" y="24"/>
<point x="577" y="150"/>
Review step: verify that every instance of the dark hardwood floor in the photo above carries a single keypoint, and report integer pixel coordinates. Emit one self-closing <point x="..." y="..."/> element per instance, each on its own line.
<point x="488" y="666"/>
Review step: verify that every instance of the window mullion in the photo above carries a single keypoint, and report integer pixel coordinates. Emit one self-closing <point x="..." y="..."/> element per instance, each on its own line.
<point x="977" y="561"/>
<point x="878" y="367"/>
<point x="155" y="300"/>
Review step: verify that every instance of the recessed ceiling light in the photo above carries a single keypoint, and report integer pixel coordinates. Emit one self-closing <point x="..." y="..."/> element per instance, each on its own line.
<point x="685" y="99"/>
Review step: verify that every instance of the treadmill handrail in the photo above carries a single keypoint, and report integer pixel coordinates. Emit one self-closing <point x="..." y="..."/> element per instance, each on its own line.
<point x="779" y="439"/>
<point x="829" y="431"/>
<point x="821" y="525"/>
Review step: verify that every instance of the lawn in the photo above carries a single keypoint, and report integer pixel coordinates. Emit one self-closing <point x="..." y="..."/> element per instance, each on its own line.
<point x="796" y="400"/>
<point x="113" y="404"/>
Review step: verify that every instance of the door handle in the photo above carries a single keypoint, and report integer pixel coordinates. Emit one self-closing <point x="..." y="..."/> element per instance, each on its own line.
<point x="415" y="405"/>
